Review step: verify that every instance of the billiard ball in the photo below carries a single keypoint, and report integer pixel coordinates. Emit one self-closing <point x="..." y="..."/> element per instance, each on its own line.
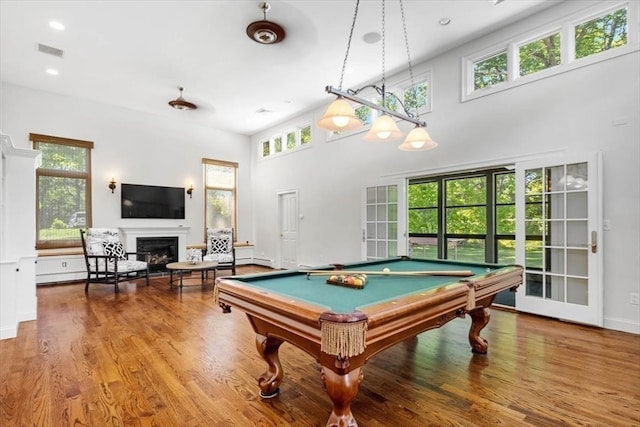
<point x="385" y="270"/>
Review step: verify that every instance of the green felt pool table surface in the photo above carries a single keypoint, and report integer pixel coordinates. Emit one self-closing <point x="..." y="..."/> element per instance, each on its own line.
<point x="379" y="288"/>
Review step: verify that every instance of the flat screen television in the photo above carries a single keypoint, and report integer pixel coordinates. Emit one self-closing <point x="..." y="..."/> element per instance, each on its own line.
<point x="150" y="201"/>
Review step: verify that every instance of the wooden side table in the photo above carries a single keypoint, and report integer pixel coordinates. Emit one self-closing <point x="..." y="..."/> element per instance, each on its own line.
<point x="182" y="267"/>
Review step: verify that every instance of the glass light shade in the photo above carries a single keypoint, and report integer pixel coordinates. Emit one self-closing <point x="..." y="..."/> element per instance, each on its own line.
<point x="383" y="129"/>
<point x="339" y="117"/>
<point x="418" y="140"/>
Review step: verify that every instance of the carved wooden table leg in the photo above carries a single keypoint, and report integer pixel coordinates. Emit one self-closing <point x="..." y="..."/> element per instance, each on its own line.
<point x="342" y="389"/>
<point x="479" y="319"/>
<point x="270" y="380"/>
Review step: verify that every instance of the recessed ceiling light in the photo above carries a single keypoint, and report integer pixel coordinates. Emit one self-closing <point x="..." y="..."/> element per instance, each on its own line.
<point x="56" y="25"/>
<point x="444" y="21"/>
<point x="52" y="71"/>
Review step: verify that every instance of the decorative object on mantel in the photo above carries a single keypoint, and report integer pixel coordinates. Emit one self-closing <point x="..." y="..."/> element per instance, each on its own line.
<point x="265" y="32"/>
<point x="340" y="115"/>
<point x="112" y="185"/>
<point x="181" y="104"/>
<point x="194" y="256"/>
<point x="190" y="191"/>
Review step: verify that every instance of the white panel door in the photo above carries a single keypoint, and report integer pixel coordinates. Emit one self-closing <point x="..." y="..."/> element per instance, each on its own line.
<point x="288" y="220"/>
<point x="559" y="238"/>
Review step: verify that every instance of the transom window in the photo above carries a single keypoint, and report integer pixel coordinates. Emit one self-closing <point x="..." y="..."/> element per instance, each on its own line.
<point x="290" y="140"/>
<point x="63" y="190"/>
<point x="220" y="194"/>
<point x="565" y="45"/>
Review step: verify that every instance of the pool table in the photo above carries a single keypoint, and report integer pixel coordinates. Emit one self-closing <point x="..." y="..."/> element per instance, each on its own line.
<point x="343" y="327"/>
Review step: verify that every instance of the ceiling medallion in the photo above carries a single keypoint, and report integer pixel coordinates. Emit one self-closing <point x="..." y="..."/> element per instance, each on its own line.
<point x="265" y="32"/>
<point x="180" y="104"/>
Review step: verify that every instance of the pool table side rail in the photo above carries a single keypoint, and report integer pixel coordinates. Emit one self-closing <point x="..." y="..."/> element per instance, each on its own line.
<point x="281" y="310"/>
<point x="406" y="317"/>
<point x="489" y="284"/>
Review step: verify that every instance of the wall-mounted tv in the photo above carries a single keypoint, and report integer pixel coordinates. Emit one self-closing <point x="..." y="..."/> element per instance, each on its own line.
<point x="150" y="201"/>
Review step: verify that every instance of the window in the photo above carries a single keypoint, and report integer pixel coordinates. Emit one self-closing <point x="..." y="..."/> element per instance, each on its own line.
<point x="417" y="98"/>
<point x="602" y="33"/>
<point x="365" y="113"/>
<point x="63" y="190"/>
<point x="289" y="141"/>
<point x="466" y="216"/>
<point x="593" y="36"/>
<point x="220" y="194"/>
<point x="539" y="54"/>
<point x="490" y="71"/>
<point x="505" y="217"/>
<point x="266" y="149"/>
<point x="277" y="144"/>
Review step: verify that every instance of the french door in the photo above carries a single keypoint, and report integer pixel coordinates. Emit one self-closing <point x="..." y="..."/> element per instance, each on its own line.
<point x="559" y="238"/>
<point x="383" y="233"/>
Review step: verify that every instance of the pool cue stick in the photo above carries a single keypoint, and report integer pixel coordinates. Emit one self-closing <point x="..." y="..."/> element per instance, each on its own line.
<point x="463" y="273"/>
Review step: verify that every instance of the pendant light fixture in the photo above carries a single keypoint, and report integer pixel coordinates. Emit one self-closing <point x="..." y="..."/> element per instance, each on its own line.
<point x="180" y="104"/>
<point x="340" y="115"/>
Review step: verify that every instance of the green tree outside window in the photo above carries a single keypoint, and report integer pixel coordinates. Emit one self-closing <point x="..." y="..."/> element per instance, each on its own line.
<point x="601" y="34"/>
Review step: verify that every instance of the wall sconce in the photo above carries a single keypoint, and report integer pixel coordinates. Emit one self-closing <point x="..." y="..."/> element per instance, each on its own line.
<point x="190" y="191"/>
<point x="112" y="185"/>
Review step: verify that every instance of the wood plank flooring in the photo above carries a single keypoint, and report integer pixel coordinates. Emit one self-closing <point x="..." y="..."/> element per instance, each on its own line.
<point x="151" y="356"/>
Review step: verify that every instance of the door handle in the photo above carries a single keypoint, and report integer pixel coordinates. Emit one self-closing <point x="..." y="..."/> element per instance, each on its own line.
<point x="594" y="241"/>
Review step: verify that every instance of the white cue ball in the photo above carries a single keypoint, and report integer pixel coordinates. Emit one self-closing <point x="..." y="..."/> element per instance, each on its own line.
<point x="385" y="270"/>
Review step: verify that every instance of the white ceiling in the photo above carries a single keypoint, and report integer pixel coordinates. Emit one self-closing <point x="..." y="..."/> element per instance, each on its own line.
<point x="135" y="54"/>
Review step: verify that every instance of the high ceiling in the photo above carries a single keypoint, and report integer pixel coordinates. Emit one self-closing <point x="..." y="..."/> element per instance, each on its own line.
<point x="134" y="54"/>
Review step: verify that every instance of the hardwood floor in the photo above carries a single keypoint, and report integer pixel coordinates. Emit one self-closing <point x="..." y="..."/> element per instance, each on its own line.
<point x="157" y="357"/>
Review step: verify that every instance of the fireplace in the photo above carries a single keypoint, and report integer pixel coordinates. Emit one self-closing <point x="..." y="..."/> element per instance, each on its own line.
<point x="162" y="250"/>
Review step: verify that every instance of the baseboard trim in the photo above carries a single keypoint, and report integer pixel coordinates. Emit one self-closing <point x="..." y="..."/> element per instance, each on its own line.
<point x="8" y="332"/>
<point x="622" y="325"/>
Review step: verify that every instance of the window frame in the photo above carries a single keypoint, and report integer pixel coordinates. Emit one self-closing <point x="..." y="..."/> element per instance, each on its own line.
<point x="36" y="140"/>
<point x="234" y="192"/>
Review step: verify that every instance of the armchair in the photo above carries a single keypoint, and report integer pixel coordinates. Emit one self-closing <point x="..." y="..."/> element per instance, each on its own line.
<point x="220" y="248"/>
<point x="106" y="260"/>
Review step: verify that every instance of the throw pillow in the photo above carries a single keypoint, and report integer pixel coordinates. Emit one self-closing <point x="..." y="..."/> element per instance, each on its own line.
<point x="115" y="249"/>
<point x="220" y="245"/>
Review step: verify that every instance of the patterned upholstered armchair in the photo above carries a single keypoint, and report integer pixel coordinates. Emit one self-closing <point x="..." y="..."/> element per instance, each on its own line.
<point x="220" y="248"/>
<point x="106" y="260"/>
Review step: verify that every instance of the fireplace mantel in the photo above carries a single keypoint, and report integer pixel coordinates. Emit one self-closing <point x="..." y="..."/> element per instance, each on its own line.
<point x="130" y="234"/>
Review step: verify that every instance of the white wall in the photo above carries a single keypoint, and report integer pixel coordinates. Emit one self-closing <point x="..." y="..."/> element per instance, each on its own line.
<point x="571" y="112"/>
<point x="135" y="148"/>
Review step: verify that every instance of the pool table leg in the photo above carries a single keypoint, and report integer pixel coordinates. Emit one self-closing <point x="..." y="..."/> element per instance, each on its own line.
<point x="479" y="319"/>
<point x="270" y="380"/>
<point x="342" y="389"/>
